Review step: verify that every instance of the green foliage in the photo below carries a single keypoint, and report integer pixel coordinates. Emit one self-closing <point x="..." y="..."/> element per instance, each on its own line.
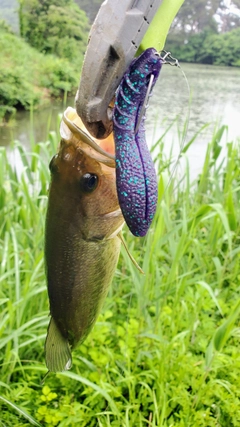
<point x="58" y="29"/>
<point x="32" y="82"/>
<point x="148" y="360"/>
<point x="197" y="15"/>
<point x="4" y="27"/>
<point x="55" y="27"/>
<point x="206" y="31"/>
<point x="207" y="48"/>
<point x="222" y="49"/>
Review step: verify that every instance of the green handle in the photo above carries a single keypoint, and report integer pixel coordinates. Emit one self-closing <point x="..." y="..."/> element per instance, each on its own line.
<point x="157" y="32"/>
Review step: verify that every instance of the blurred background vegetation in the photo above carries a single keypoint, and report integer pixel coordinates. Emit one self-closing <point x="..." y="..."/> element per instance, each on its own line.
<point x="42" y="43"/>
<point x="207" y="32"/>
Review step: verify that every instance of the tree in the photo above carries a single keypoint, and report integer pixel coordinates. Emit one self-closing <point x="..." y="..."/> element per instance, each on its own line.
<point x="54" y="26"/>
<point x="229" y="16"/>
<point x="196" y="15"/>
<point x="221" y="49"/>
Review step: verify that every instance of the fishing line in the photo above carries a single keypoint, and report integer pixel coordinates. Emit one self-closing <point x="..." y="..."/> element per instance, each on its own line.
<point x="43" y="379"/>
<point x="167" y="58"/>
<point x="185" y="129"/>
<point x="170" y="60"/>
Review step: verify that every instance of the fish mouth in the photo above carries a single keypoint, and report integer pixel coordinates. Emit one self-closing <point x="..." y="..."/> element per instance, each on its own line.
<point x="72" y="125"/>
<point x="117" y="213"/>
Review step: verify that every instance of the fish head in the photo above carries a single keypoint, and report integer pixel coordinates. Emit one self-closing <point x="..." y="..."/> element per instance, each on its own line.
<point x="83" y="191"/>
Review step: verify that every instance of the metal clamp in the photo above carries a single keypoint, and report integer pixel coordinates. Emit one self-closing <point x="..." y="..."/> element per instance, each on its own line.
<point x="114" y="39"/>
<point x="167" y="58"/>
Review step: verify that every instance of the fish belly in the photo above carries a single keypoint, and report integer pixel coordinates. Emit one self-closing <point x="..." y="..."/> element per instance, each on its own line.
<point x="79" y="274"/>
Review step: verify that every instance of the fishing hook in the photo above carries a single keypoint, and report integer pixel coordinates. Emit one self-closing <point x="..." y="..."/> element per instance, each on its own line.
<point x="145" y="103"/>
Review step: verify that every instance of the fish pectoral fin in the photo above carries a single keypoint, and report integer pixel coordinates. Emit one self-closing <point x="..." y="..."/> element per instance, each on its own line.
<point x="57" y="351"/>
<point x="130" y="256"/>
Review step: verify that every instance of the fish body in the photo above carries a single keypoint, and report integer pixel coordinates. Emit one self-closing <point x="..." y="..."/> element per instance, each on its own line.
<point x="81" y="242"/>
<point x="135" y="173"/>
<point x="90" y="195"/>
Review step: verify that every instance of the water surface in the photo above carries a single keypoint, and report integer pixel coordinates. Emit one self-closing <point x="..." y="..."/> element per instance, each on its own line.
<point x="214" y="98"/>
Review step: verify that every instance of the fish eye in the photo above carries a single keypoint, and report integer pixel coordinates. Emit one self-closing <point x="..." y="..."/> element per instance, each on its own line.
<point x="89" y="182"/>
<point x="52" y="165"/>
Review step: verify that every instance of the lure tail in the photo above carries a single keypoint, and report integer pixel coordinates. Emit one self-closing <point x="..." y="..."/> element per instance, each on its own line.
<point x="135" y="173"/>
<point x="57" y="351"/>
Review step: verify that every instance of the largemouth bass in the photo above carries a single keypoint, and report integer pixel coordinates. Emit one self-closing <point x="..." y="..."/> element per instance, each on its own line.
<point x="82" y="240"/>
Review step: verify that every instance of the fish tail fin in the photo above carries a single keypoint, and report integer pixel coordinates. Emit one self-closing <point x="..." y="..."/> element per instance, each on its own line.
<point x="57" y="351"/>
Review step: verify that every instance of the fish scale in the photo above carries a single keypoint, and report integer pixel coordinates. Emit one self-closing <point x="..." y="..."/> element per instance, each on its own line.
<point x="82" y="240"/>
<point x="135" y="173"/>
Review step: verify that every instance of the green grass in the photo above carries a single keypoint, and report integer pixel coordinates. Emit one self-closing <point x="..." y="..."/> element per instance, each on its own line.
<point x="165" y="349"/>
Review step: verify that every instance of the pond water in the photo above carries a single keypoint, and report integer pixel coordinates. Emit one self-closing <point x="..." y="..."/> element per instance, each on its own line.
<point x="214" y="99"/>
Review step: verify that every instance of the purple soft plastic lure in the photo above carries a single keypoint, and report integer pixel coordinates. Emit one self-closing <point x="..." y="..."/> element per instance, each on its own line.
<point x="135" y="172"/>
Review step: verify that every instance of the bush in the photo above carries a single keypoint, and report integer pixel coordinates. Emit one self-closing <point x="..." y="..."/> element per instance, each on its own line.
<point x="58" y="30"/>
<point x="34" y="82"/>
<point x="55" y="27"/>
<point x="207" y="48"/>
<point x="222" y="49"/>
